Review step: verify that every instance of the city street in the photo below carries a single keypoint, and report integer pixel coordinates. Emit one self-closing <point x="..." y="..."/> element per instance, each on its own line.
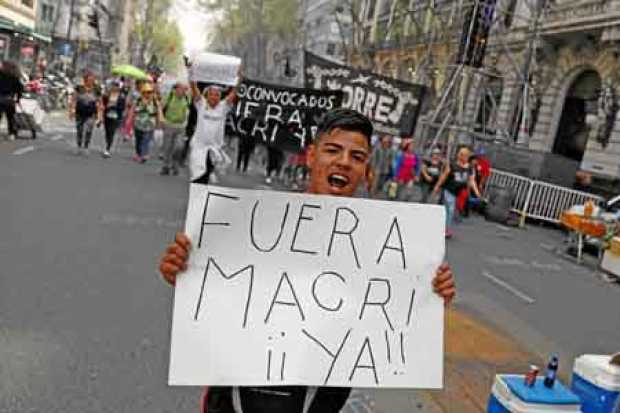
<point x="85" y="316"/>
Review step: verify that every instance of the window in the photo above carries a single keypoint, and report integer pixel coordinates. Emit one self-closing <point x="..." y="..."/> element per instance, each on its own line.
<point x="47" y="13"/>
<point x="28" y="3"/>
<point x="331" y="49"/>
<point x="372" y="4"/>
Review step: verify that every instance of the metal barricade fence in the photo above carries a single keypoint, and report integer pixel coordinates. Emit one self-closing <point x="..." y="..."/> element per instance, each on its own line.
<point x="536" y="199"/>
<point x="548" y="201"/>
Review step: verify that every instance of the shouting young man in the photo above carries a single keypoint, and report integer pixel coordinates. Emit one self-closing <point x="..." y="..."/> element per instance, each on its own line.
<point x="338" y="161"/>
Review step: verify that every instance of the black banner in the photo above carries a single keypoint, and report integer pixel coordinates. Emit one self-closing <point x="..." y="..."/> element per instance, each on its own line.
<point x="391" y="104"/>
<point x="280" y="116"/>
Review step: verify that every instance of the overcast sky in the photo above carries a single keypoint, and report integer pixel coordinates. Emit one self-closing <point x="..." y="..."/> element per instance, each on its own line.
<point x="194" y="24"/>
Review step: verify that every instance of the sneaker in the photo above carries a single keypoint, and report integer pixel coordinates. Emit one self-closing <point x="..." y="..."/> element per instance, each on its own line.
<point x="268" y="181"/>
<point x="144" y="159"/>
<point x="164" y="171"/>
<point x="106" y="154"/>
<point x="448" y="234"/>
<point x="136" y="158"/>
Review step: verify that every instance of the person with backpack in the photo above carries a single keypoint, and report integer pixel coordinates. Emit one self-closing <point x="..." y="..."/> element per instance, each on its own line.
<point x="85" y="108"/>
<point x="176" y="110"/>
<point x="338" y="161"/>
<point x="113" y="106"/>
<point x="147" y="114"/>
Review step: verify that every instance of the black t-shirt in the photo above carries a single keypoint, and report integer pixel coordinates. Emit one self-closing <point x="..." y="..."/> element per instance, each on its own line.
<point x="290" y="399"/>
<point x="458" y="178"/>
<point x="10" y="86"/>
<point x="434" y="171"/>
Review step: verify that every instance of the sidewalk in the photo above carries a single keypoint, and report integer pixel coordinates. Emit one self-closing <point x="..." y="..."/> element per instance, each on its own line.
<point x="474" y="354"/>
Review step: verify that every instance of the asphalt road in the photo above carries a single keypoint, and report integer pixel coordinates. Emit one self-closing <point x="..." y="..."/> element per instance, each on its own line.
<point x="85" y="318"/>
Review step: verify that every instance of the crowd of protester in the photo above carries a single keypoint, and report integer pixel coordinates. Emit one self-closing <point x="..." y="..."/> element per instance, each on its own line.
<point x="400" y="173"/>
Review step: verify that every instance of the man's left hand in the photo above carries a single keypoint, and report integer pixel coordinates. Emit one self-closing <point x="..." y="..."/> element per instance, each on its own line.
<point x="443" y="283"/>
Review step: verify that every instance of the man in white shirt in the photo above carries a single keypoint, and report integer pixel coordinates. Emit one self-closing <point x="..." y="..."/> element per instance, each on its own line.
<point x="206" y="145"/>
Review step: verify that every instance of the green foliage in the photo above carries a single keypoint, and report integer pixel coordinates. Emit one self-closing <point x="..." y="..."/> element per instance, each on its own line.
<point x="167" y="44"/>
<point x="239" y="19"/>
<point x="157" y="35"/>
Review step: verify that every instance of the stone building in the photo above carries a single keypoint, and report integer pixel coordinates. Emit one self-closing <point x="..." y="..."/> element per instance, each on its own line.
<point x="324" y="28"/>
<point x="566" y="53"/>
<point x="76" y="44"/>
<point x="20" y="40"/>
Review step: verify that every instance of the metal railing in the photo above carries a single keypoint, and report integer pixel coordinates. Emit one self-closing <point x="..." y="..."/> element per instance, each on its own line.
<point x="536" y="199"/>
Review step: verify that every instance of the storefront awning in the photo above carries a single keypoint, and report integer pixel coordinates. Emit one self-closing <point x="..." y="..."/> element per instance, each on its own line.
<point x="7" y="24"/>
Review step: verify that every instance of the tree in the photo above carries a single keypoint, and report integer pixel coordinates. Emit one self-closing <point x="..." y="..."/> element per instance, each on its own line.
<point x="246" y="27"/>
<point x="156" y="35"/>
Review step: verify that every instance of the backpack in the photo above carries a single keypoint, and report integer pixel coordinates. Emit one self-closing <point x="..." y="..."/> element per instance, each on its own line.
<point x="169" y="99"/>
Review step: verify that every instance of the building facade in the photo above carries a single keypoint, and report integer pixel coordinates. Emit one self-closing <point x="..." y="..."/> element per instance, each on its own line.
<point x="19" y="39"/>
<point x="325" y="28"/>
<point x="548" y="89"/>
<point x="76" y="45"/>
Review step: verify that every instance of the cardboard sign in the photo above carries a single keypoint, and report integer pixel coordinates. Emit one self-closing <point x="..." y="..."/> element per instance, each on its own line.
<point x="215" y="69"/>
<point x="280" y="116"/>
<point x="294" y="289"/>
<point x="392" y="105"/>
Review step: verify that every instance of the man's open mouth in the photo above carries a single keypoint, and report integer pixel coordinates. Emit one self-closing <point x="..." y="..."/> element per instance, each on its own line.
<point x="338" y="180"/>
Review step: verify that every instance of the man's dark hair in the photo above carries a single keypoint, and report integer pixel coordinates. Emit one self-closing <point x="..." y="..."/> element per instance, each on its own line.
<point x="346" y="119"/>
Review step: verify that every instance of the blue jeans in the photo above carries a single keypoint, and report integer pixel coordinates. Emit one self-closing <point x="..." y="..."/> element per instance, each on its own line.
<point x="449" y="201"/>
<point x="143" y="141"/>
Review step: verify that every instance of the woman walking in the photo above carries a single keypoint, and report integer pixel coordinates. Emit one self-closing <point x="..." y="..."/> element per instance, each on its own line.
<point x="113" y="108"/>
<point x="147" y="114"/>
<point x="455" y="178"/>
<point x="85" y="108"/>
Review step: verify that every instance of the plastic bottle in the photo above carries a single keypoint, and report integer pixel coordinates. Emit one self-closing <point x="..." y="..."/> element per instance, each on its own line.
<point x="588" y="209"/>
<point x="552" y="372"/>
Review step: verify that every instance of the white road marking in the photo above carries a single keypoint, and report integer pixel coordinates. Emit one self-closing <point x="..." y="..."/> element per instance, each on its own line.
<point x="508" y="287"/>
<point x="24" y="150"/>
<point x="57" y="138"/>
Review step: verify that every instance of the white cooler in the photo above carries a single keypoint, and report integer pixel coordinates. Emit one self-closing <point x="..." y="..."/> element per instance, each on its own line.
<point x="596" y="382"/>
<point x="510" y="395"/>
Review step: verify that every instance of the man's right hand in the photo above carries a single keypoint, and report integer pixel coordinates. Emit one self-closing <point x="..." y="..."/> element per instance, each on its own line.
<point x="175" y="258"/>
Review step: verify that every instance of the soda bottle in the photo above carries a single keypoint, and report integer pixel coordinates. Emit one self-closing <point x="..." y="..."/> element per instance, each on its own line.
<point x="552" y="372"/>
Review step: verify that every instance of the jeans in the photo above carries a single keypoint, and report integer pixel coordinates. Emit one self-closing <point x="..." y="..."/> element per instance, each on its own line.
<point x="449" y="200"/>
<point x="85" y="128"/>
<point x="274" y="160"/>
<point x="245" y="148"/>
<point x="378" y="185"/>
<point x="427" y="194"/>
<point x="171" y="135"/>
<point x="143" y="142"/>
<point x="110" y="125"/>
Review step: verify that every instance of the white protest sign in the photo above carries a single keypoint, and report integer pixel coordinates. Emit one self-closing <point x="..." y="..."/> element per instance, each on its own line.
<point x="293" y="289"/>
<point x="215" y="68"/>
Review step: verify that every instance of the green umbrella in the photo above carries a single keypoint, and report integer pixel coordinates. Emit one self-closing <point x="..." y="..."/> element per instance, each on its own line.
<point x="130" y="71"/>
